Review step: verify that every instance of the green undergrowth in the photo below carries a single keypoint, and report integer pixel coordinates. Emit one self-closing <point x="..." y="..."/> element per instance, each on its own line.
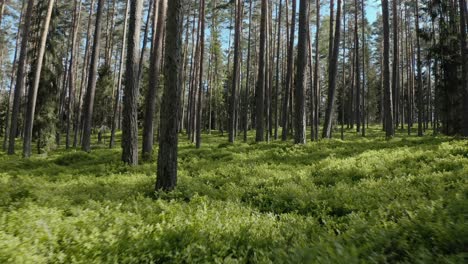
<point x="362" y="200"/>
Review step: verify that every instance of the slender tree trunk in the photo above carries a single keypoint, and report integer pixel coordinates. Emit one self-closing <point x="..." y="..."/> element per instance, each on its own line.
<point x="236" y="71"/>
<point x="420" y="84"/>
<point x="395" y="63"/>
<point x="464" y="50"/>
<point x="32" y="96"/>
<point x="168" y="140"/>
<point x="200" y="80"/>
<point x="145" y="38"/>
<point x="289" y="74"/>
<point x="357" y="74"/>
<point x="301" y="80"/>
<point x="71" y="73"/>
<point x="261" y="84"/>
<point x="389" y="129"/>
<point x="332" y="72"/>
<point x="363" y="107"/>
<point x="92" y="77"/>
<point x="78" y="106"/>
<point x="247" y="79"/>
<point x="119" y="78"/>
<point x="20" y="78"/>
<point x="316" y="91"/>
<point x="155" y="69"/>
<point x="131" y="91"/>
<point x="12" y="78"/>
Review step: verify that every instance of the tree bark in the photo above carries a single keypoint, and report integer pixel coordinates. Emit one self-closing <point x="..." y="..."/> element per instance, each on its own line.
<point x="155" y="69"/>
<point x="332" y="72"/>
<point x="420" y="84"/>
<point x="32" y="96"/>
<point x="236" y="72"/>
<point x="389" y="129"/>
<point x="20" y="78"/>
<point x="130" y="97"/>
<point x="71" y="72"/>
<point x="168" y="140"/>
<point x="261" y="83"/>
<point x="301" y="80"/>
<point x="119" y="78"/>
<point x="289" y="74"/>
<point x="200" y="76"/>
<point x="464" y="50"/>
<point x="92" y="77"/>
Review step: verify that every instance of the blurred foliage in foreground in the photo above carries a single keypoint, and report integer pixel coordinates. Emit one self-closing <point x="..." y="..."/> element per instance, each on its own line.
<point x="359" y="200"/>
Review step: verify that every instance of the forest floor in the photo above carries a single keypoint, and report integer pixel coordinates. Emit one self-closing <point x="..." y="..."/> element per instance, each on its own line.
<point x="353" y="201"/>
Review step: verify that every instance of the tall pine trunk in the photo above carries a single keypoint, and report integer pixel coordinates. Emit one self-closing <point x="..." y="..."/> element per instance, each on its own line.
<point x="131" y="91"/>
<point x="168" y="140"/>
<point x="155" y="69"/>
<point x="32" y="96"/>
<point x="19" y="88"/>
<point x="301" y="75"/>
<point x="332" y="73"/>
<point x="92" y="78"/>
<point x="389" y="129"/>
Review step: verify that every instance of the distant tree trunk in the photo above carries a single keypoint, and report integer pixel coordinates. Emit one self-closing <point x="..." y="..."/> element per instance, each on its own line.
<point x="71" y="71"/>
<point x="357" y="74"/>
<point x="20" y="78"/>
<point x="200" y="80"/>
<point x="119" y="78"/>
<point x="316" y="91"/>
<point x="78" y="110"/>
<point x="32" y="96"/>
<point x="131" y="91"/>
<point x="363" y="33"/>
<point x="332" y="72"/>
<point x="92" y="78"/>
<point x="155" y="69"/>
<point x="278" y="49"/>
<point x="261" y="82"/>
<point x="236" y="72"/>
<point x="301" y="80"/>
<point x="464" y="51"/>
<point x="395" y="64"/>
<point x="145" y="38"/>
<point x="420" y="84"/>
<point x="289" y="74"/>
<point x="12" y="78"/>
<point x="168" y="139"/>
<point x="389" y="129"/>
<point x="247" y="79"/>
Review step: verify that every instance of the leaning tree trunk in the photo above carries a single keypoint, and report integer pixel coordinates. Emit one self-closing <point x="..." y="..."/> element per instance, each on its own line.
<point x="155" y="68"/>
<point x="20" y="78"/>
<point x="32" y="96"/>
<point x="332" y="72"/>
<point x="389" y="129"/>
<point x="301" y="68"/>
<point x="130" y="97"/>
<point x="168" y="139"/>
<point x="89" y="103"/>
